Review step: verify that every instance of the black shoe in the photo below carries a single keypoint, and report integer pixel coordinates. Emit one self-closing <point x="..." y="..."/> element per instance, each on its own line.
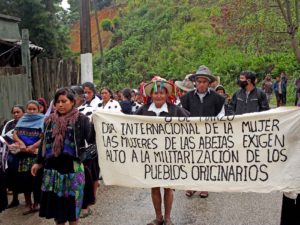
<point x="13" y="204"/>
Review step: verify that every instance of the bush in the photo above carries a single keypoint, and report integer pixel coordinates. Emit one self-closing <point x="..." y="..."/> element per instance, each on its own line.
<point x="106" y="25"/>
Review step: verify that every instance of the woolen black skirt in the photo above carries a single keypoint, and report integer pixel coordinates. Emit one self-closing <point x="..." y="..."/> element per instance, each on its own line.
<point x="62" y="189"/>
<point x="3" y="193"/>
<point x="290" y="211"/>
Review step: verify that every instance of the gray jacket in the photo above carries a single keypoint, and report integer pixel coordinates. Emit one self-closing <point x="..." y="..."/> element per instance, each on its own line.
<point x="256" y="101"/>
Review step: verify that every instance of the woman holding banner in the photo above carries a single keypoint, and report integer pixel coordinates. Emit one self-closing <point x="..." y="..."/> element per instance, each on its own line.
<point x="159" y="93"/>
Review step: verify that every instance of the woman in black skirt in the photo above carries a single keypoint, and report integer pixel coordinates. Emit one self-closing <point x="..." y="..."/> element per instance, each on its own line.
<point x="290" y="211"/>
<point x="3" y="194"/>
<point x="12" y="157"/>
<point x="66" y="131"/>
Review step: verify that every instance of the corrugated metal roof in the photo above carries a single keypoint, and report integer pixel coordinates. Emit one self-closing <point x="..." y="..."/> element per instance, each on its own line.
<point x="32" y="46"/>
<point x="19" y="43"/>
<point x="9" y="18"/>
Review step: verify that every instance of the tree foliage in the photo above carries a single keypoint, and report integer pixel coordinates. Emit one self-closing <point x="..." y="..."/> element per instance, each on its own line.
<point x="100" y="4"/>
<point x="45" y="21"/>
<point x="106" y="25"/>
<point x="172" y="38"/>
<point x="74" y="11"/>
<point x="290" y="13"/>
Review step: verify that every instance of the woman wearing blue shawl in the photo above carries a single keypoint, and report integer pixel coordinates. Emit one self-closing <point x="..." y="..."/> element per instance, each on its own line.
<point x="27" y="136"/>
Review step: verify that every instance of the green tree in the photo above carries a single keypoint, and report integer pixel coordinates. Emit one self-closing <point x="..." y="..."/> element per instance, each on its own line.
<point x="173" y="37"/>
<point x="74" y="13"/>
<point x="45" y="21"/>
<point x="290" y="14"/>
<point x="100" y="4"/>
<point x="106" y="25"/>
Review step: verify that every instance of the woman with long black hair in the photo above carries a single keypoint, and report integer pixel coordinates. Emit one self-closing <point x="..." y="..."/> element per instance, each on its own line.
<point x="66" y="132"/>
<point x="9" y="153"/>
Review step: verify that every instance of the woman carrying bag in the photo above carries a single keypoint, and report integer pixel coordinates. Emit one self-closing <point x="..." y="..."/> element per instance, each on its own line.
<point x="66" y="131"/>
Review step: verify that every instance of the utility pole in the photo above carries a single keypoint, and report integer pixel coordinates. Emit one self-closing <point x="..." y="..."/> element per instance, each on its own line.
<point x="26" y="62"/>
<point x="86" y="58"/>
<point x="98" y="30"/>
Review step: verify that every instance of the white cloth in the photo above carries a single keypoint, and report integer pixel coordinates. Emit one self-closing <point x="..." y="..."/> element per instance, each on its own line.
<point x="111" y="105"/>
<point x="157" y="111"/>
<point x="4" y="147"/>
<point x="135" y="106"/>
<point x="291" y="195"/>
<point x="222" y="112"/>
<point x="177" y="102"/>
<point x="88" y="108"/>
<point x="201" y="96"/>
<point x="150" y="151"/>
<point x="49" y="109"/>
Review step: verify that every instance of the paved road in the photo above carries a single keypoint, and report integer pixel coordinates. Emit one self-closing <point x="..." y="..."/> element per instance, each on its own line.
<point x="122" y="206"/>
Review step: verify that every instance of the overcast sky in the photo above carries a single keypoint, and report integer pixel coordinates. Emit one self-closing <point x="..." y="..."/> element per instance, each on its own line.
<point x="65" y="4"/>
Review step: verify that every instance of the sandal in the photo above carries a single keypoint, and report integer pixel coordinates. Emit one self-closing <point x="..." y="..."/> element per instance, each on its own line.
<point x="31" y="209"/>
<point x="156" y="222"/>
<point x="27" y="212"/>
<point x="190" y="193"/>
<point x="13" y="204"/>
<point x="35" y="208"/>
<point x="86" y="214"/>
<point x="203" y="194"/>
<point x="168" y="222"/>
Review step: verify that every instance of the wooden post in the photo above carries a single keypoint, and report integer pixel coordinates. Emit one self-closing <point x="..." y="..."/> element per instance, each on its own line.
<point x="86" y="59"/>
<point x="36" y="79"/>
<point x="26" y="61"/>
<point x="98" y="30"/>
<point x="41" y="77"/>
<point x="45" y="68"/>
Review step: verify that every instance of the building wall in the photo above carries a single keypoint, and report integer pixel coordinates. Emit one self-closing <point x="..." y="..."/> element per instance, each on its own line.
<point x="9" y="30"/>
<point x="13" y="90"/>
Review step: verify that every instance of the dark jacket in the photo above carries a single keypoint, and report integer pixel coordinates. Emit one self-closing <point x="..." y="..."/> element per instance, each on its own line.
<point x="211" y="106"/>
<point x="82" y="130"/>
<point x="256" y="101"/>
<point x="174" y="111"/>
<point x="126" y="106"/>
<point x="276" y="87"/>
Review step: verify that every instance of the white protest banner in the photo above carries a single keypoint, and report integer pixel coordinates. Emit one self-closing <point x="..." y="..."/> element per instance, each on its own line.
<point x="257" y="152"/>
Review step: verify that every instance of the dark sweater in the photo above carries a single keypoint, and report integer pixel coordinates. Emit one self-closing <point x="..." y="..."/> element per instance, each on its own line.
<point x="211" y="106"/>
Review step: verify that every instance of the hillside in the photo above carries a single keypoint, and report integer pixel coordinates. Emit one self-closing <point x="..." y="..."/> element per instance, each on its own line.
<point x="106" y="13"/>
<point x="173" y="37"/>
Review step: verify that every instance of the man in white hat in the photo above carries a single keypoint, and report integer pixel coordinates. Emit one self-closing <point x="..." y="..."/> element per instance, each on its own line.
<point x="186" y="85"/>
<point x="203" y="102"/>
